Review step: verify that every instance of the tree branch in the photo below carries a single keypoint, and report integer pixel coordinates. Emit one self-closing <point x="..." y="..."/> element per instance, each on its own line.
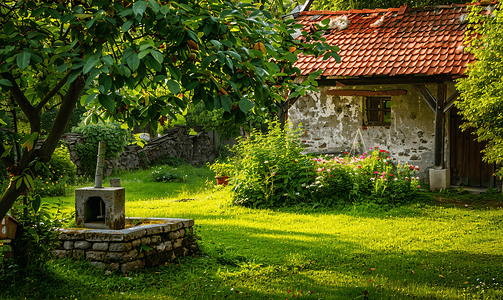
<point x="52" y="92"/>
<point x="64" y="113"/>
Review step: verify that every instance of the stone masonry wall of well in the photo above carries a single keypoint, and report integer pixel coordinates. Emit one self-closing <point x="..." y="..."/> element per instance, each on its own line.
<point x="132" y="248"/>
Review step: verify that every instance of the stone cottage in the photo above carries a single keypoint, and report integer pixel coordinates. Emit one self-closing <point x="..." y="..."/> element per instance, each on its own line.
<point x="394" y="88"/>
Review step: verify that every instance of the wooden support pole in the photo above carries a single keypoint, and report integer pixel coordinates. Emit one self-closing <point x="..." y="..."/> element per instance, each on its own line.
<point x="439" y="126"/>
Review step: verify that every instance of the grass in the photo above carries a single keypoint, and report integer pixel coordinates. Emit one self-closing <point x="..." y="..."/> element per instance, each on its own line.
<point x="422" y="251"/>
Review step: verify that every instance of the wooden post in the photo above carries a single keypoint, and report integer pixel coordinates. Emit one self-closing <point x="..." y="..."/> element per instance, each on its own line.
<point x="439" y="126"/>
<point x="100" y="163"/>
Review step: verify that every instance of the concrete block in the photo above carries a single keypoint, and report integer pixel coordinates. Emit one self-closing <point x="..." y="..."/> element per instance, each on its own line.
<point x="440" y="179"/>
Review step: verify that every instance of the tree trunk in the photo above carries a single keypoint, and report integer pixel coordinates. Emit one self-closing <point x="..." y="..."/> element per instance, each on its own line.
<point x="69" y="101"/>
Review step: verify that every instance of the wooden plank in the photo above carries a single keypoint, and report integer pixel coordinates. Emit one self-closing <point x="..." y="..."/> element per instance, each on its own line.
<point x="474" y="161"/>
<point x="366" y="93"/>
<point x="456" y="148"/>
<point x="427" y="97"/>
<point x="439" y="127"/>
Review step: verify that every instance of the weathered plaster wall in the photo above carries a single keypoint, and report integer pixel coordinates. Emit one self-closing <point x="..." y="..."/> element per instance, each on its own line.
<point x="330" y="124"/>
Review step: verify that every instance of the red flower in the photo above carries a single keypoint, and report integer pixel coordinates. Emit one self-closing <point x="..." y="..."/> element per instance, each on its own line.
<point x="411" y="167"/>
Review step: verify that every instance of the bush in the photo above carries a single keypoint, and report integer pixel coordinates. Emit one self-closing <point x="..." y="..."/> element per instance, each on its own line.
<point x="57" y="174"/>
<point x="162" y="175"/>
<point x="270" y="171"/>
<point x="111" y="133"/>
<point x="271" y="168"/>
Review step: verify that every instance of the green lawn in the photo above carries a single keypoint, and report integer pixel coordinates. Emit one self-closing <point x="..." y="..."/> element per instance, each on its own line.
<point x="422" y="251"/>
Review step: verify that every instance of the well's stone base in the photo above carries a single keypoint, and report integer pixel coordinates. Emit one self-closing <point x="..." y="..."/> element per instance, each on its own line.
<point x="135" y="247"/>
<point x="440" y="179"/>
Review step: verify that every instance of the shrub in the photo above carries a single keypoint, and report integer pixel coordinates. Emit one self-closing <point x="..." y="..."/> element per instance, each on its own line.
<point x="270" y="171"/>
<point x="111" y="133"/>
<point x="271" y="168"/>
<point x="162" y="175"/>
<point x="57" y="174"/>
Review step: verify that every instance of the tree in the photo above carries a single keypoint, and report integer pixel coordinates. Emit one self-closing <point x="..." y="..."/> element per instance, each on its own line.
<point x="136" y="62"/>
<point x="481" y="92"/>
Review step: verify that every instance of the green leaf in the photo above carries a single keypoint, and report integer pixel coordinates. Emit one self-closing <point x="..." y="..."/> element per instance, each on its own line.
<point x="154" y="5"/>
<point x="19" y="181"/>
<point x="23" y="60"/>
<point x="159" y="78"/>
<point x="133" y="62"/>
<point x="5" y="82"/>
<point x="62" y="68"/>
<point x="192" y="85"/>
<point x="108" y="60"/>
<point x="173" y="87"/>
<point x="226" y="102"/>
<point x="207" y="61"/>
<point x="143" y="53"/>
<point x="37" y="200"/>
<point x="107" y="102"/>
<point x="125" y="27"/>
<point x="89" y="65"/>
<point x="245" y="105"/>
<point x="139" y="7"/>
<point x="193" y="35"/>
<point x="157" y="55"/>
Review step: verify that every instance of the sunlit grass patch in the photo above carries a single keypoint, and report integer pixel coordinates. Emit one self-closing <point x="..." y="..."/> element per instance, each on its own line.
<point x="422" y="251"/>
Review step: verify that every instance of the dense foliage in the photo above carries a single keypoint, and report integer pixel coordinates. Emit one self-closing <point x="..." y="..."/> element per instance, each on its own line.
<point x="269" y="170"/>
<point x="482" y="90"/>
<point x="111" y="133"/>
<point x="56" y="175"/>
<point x="138" y="62"/>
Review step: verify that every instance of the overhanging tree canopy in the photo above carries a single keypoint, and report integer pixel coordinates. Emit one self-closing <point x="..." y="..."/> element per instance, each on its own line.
<point x="137" y="61"/>
<point x="482" y="91"/>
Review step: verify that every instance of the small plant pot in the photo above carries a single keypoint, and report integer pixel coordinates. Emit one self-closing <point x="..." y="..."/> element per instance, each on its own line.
<point x="222" y="180"/>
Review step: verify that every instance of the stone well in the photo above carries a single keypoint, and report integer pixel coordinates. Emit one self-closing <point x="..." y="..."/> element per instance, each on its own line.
<point x="152" y="242"/>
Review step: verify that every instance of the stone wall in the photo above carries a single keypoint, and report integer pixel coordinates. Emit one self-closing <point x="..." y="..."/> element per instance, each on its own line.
<point x="176" y="143"/>
<point x="331" y="123"/>
<point x="132" y="248"/>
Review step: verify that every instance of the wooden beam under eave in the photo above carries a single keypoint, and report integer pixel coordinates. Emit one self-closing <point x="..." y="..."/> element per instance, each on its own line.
<point x="427" y="96"/>
<point x="366" y="93"/>
<point x="450" y="101"/>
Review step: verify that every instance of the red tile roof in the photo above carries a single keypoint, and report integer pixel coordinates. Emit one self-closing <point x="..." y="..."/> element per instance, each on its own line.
<point x="427" y="41"/>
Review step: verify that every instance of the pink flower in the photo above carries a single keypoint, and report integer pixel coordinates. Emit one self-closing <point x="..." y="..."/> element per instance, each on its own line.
<point x="406" y="178"/>
<point x="418" y="186"/>
<point x="376" y="172"/>
<point x="359" y="166"/>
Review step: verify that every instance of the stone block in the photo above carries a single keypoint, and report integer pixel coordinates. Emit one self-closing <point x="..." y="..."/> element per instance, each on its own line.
<point x="103" y="246"/>
<point x="82" y="245"/>
<point x="115" y="256"/>
<point x="168" y="245"/>
<point x="95" y="255"/>
<point x="98" y="264"/>
<point x="155" y="239"/>
<point x="78" y="253"/>
<point x="71" y="234"/>
<point x="61" y="253"/>
<point x="182" y="232"/>
<point x="440" y="179"/>
<point x="136" y="243"/>
<point x="131" y="255"/>
<point x="132" y="265"/>
<point x="145" y="240"/>
<point x="120" y="247"/>
<point x="68" y="245"/>
<point x="114" y="266"/>
<point x="174" y="235"/>
<point x="105" y="236"/>
<point x="178" y="243"/>
<point x="153" y="229"/>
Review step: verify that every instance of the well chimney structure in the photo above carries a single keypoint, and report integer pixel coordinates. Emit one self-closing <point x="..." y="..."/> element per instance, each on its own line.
<point x="100" y="207"/>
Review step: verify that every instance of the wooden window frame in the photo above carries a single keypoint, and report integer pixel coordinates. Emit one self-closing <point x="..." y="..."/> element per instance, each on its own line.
<point x="382" y="109"/>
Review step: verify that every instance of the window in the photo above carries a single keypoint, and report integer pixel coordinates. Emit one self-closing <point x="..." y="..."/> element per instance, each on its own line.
<point x="377" y="111"/>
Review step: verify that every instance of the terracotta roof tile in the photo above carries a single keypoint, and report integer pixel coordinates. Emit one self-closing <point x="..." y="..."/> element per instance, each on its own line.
<point x="410" y="41"/>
